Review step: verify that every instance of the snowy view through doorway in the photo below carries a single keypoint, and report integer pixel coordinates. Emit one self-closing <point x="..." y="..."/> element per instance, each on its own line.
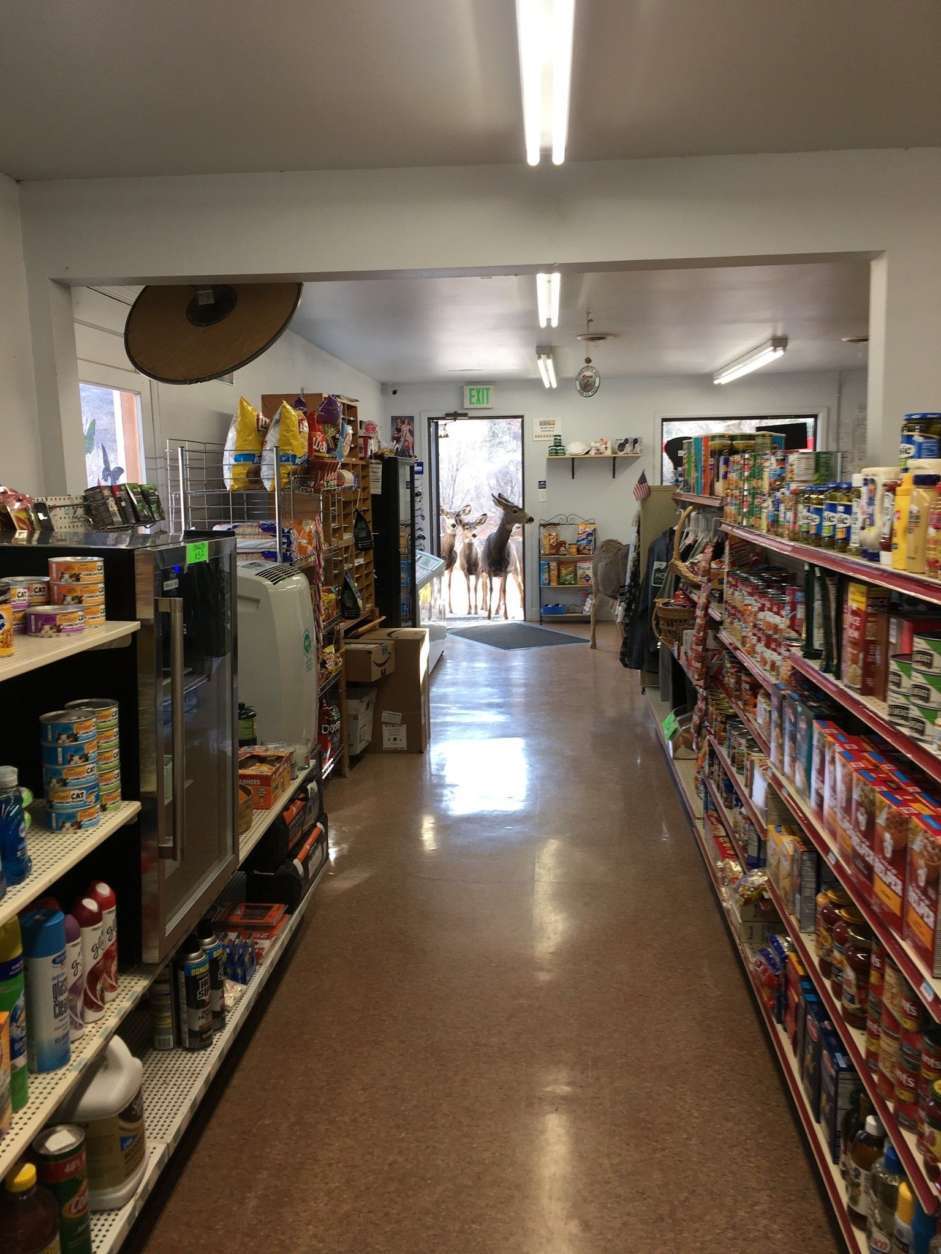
<point x="477" y="459"/>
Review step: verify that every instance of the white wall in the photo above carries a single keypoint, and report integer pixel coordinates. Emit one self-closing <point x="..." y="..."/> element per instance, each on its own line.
<point x="202" y="411"/>
<point x="625" y="406"/>
<point x="21" y="464"/>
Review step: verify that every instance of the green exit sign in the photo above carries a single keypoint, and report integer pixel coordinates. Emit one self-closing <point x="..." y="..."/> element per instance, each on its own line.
<point x="478" y="396"/>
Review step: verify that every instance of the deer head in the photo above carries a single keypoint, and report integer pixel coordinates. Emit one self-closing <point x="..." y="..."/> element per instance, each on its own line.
<point x="454" y="519"/>
<point x="470" y="528"/>
<point x="512" y="514"/>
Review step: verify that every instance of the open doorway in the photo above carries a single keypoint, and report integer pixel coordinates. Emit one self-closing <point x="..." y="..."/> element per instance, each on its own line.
<point x="473" y="460"/>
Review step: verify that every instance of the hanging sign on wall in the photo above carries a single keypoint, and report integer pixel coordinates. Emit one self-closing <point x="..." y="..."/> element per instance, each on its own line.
<point x="545" y="428"/>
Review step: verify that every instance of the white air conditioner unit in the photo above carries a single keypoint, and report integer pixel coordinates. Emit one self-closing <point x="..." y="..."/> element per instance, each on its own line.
<point x="279" y="674"/>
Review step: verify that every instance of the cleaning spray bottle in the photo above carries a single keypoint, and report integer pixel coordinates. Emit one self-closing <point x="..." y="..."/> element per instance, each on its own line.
<point x="13" y="1001"/>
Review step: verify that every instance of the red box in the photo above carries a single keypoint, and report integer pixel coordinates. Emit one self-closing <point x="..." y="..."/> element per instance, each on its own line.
<point x="920" y="928"/>
<point x="266" y="773"/>
<point x="866" y="639"/>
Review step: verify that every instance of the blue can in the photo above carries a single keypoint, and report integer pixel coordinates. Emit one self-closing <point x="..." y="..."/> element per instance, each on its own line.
<point x="47" y="989"/>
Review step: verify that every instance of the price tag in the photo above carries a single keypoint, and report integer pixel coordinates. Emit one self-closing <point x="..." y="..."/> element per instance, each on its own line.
<point x="831" y="857"/>
<point x="927" y="991"/>
<point x="197" y="551"/>
<point x="670" y="725"/>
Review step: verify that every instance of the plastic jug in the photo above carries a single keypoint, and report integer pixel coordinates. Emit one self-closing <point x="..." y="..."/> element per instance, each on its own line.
<point x="110" y="1107"/>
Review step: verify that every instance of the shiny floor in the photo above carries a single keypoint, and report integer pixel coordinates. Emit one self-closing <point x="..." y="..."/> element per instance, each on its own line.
<point x="513" y="1023"/>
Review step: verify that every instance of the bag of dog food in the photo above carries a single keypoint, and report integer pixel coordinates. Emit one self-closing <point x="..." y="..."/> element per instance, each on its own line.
<point x="241" y="459"/>
<point x="285" y="442"/>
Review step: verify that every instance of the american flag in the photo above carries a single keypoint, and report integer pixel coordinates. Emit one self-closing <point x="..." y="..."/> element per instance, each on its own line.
<point x="641" y="487"/>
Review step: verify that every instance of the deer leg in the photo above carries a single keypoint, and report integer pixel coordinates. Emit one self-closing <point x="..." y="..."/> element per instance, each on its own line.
<point x="503" y="597"/>
<point x="490" y="582"/>
<point x="450" y="577"/>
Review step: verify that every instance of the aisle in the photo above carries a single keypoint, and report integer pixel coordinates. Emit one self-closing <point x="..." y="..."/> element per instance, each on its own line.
<point x="513" y="1024"/>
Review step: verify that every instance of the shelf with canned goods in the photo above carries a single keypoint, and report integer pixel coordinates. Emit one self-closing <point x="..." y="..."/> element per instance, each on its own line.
<point x="31" y="652"/>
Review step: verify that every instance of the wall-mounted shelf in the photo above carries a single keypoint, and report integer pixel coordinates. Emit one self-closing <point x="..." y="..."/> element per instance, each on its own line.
<point x="613" y="458"/>
<point x="694" y="498"/>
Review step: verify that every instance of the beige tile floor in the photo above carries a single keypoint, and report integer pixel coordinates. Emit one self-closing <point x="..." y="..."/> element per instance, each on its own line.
<point x="513" y="1023"/>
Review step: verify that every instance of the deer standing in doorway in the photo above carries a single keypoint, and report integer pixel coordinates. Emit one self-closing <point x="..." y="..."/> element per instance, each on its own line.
<point x="449" y="548"/>
<point x="470" y="561"/>
<point x="496" y="552"/>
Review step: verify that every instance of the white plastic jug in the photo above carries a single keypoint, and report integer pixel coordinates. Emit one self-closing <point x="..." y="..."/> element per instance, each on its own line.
<point x="110" y="1107"/>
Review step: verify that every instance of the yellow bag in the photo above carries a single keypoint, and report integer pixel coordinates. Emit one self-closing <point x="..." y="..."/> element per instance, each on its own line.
<point x="286" y="440"/>
<point x="241" y="460"/>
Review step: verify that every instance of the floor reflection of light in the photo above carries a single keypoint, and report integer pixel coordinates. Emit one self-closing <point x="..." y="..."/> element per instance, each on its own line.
<point x="429" y="835"/>
<point x="553" y="1168"/>
<point x="481" y="776"/>
<point x="551" y="922"/>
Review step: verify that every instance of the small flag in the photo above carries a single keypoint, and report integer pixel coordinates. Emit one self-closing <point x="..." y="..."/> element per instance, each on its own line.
<point x="641" y="487"/>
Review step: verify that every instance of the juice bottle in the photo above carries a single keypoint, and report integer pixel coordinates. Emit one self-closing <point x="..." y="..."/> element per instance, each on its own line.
<point x="884" y="1181"/>
<point x="924" y="494"/>
<point x="903" y="498"/>
<point x="933" y="538"/>
<point x="864" y="1153"/>
<point x="856" y="499"/>
<point x="903" y="1234"/>
<point x="29" y="1216"/>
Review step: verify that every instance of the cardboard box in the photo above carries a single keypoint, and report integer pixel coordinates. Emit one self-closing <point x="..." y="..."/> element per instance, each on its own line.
<point x="266" y="773"/>
<point x="866" y="639"/>
<point x="360" y="711"/>
<point x="921" y="929"/>
<point x="368" y="661"/>
<point x="402" y="721"/>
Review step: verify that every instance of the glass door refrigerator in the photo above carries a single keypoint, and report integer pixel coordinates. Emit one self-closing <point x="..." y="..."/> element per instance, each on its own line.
<point x="393" y="514"/>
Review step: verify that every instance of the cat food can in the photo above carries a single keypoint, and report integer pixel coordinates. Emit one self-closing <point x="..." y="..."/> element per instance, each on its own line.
<point x="55" y="620"/>
<point x="74" y="818"/>
<point x="62" y="1169"/>
<point x="106" y="711"/>
<point x="109" y="759"/>
<point x="87" y="594"/>
<point x="95" y="617"/>
<point x="76" y="569"/>
<point x="19" y="595"/>
<point x="69" y="772"/>
<point x="109" y="800"/>
<point x="84" y="752"/>
<point x="74" y="725"/>
<point x="63" y="793"/>
<point x="37" y="587"/>
<point x="6" y="629"/>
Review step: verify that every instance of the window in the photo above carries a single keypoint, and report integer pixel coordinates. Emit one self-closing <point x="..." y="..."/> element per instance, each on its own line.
<point x="111" y="423"/>
<point x="799" y="430"/>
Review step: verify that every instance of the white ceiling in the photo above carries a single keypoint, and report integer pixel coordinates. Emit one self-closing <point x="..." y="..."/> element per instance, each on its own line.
<point x="401" y="330"/>
<point x="128" y="87"/>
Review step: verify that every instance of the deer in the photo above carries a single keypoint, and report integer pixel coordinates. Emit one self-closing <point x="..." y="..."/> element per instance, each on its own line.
<point x="496" y="559"/>
<point x="449" y="551"/>
<point x="470" y="559"/>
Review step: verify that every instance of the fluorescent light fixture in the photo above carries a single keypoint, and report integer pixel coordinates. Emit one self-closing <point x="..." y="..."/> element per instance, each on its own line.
<point x="545" y="31"/>
<point x="754" y="360"/>
<point x="546" y="364"/>
<point x="548" y="294"/>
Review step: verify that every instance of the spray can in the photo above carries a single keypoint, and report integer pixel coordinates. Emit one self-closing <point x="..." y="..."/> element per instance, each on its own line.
<point x="87" y="914"/>
<point x="61" y="1166"/>
<point x="74" y="968"/>
<point x="107" y="901"/>
<point x="162" y="1016"/>
<point x="214" y="950"/>
<point x="193" y="996"/>
<point x="13" y="1001"/>
<point x="47" y="988"/>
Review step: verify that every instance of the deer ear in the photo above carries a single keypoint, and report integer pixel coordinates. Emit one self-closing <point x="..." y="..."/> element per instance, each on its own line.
<point x="465" y="509"/>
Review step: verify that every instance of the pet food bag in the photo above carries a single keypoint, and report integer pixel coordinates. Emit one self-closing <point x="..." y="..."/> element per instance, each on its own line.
<point x="286" y="443"/>
<point x="241" y="460"/>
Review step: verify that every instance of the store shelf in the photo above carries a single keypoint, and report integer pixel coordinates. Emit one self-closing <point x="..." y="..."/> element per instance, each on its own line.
<point x="48" y="1091"/>
<point x="926" y="987"/>
<point x="747" y="804"/>
<point x="829" y="1174"/>
<point x="723" y="817"/>
<point x="330" y="766"/>
<point x="613" y="458"/>
<point x="919" y="586"/>
<point x="54" y="853"/>
<point x="694" y="498"/>
<point x="330" y="681"/>
<point x="175" y="1082"/>
<point x="571" y="618"/>
<point x="264" y="818"/>
<point x="751" y="666"/>
<point x="873" y="713"/>
<point x="31" y="652"/>
<point x="565" y="557"/>
<point x="715" y="613"/>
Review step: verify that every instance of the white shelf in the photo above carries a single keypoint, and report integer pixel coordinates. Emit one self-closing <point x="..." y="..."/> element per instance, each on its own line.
<point x="175" y="1082"/>
<point x="48" y="1091"/>
<point x="54" y="853"/>
<point x="31" y="652"/>
<point x="264" y="818"/>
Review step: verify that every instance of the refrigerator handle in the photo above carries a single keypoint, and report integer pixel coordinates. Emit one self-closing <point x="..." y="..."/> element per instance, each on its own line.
<point x="174" y="607"/>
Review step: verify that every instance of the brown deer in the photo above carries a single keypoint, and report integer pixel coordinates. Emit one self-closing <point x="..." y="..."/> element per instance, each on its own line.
<point x="452" y="524"/>
<point x="495" y="552"/>
<point x="470" y="560"/>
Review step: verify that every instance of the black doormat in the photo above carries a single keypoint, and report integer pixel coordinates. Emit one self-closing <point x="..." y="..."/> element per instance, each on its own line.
<point x="516" y="636"/>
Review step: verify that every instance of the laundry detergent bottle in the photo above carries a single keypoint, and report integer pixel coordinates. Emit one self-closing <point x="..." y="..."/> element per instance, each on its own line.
<point x="13" y="1002"/>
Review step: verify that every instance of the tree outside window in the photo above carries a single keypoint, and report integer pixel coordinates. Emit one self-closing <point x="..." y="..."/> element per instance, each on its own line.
<point x="111" y="424"/>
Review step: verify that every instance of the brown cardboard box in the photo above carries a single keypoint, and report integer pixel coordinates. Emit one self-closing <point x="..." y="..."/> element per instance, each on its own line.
<point x="360" y="709"/>
<point x="369" y="660"/>
<point x="402" y="721"/>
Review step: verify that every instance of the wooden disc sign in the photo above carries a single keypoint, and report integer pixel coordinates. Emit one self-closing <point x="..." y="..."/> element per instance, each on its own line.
<point x="190" y="333"/>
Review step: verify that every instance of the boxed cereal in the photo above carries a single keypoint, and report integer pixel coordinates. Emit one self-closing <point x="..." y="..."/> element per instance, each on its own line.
<point x="920" y="927"/>
<point x="893" y="820"/>
<point x="866" y="639"/>
<point x="823" y="730"/>
<point x="865" y="784"/>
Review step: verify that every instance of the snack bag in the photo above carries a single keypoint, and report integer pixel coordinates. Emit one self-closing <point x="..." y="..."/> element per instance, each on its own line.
<point x="286" y="441"/>
<point x="243" y="445"/>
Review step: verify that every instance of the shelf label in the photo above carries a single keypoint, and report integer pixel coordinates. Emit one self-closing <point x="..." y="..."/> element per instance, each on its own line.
<point x="670" y="725"/>
<point x="197" y="551"/>
<point x="927" y="991"/>
<point x="831" y="857"/>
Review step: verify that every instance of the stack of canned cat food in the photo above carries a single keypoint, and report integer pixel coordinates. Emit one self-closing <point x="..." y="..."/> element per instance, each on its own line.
<point x="81" y="762"/>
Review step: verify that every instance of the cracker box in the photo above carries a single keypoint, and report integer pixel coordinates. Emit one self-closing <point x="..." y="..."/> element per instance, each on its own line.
<point x="803" y="748"/>
<point x="776" y="732"/>
<point x="892" y="829"/>
<point x="823" y="729"/>
<point x="866" y="639"/>
<point x="866" y="783"/>
<point x="920" y="926"/>
<point x="789" y="712"/>
<point x="838" y="1081"/>
<point x="846" y="761"/>
<point x="266" y="773"/>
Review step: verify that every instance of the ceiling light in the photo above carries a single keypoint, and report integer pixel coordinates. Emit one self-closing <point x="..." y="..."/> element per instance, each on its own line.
<point x="754" y="360"/>
<point x="546" y="364"/>
<point x="548" y="294"/>
<point x="544" y="32"/>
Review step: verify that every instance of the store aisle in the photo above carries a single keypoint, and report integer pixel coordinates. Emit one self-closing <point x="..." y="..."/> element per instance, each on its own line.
<point x="514" y="1023"/>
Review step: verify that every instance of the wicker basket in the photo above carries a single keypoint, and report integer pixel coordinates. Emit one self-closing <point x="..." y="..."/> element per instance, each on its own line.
<point x="682" y="568"/>
<point x="671" y="620"/>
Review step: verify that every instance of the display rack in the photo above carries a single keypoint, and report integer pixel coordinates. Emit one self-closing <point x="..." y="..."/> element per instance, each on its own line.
<point x="566" y="528"/>
<point x="613" y="458"/>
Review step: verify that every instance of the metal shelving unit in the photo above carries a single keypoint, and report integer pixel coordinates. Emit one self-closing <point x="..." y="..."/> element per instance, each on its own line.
<point x="568" y="523"/>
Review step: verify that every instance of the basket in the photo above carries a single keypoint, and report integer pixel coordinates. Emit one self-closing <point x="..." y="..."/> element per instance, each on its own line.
<point x="670" y="620"/>
<point x="683" y="569"/>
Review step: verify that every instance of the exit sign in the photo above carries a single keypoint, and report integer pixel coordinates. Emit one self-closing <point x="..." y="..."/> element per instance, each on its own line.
<point x="478" y="396"/>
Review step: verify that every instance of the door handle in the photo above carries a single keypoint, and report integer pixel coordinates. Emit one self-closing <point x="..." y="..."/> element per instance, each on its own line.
<point x="174" y="607"/>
